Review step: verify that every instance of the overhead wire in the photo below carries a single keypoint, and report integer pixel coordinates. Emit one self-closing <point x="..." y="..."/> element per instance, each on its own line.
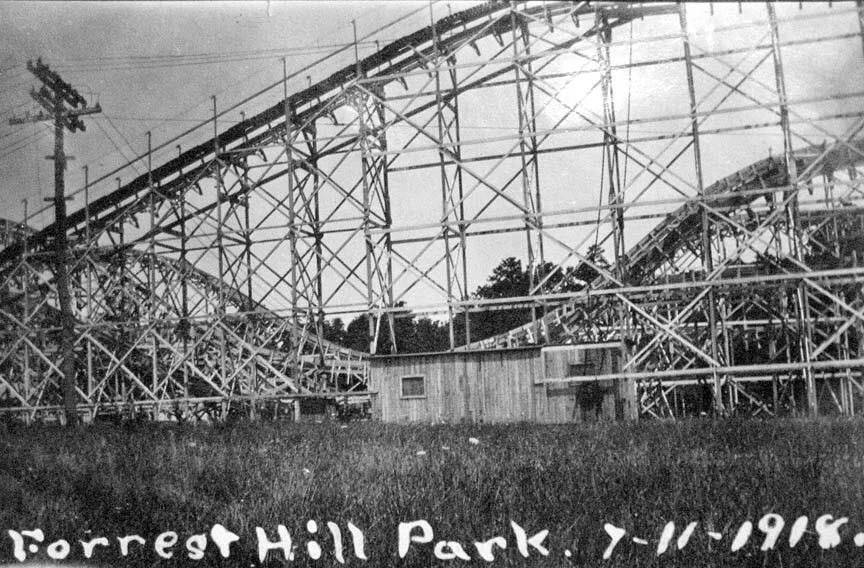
<point x="206" y="54"/>
<point x="122" y="137"/>
<point x="137" y="67"/>
<point x="167" y="60"/>
<point x="14" y="88"/>
<point x="14" y="107"/>
<point x="37" y="169"/>
<point x="18" y="145"/>
<point x="22" y="144"/>
<point x="166" y="118"/>
<point x="117" y="147"/>
<point x="131" y="62"/>
<point x="26" y="136"/>
<point x="99" y="62"/>
<point x="260" y="92"/>
<point x="16" y="132"/>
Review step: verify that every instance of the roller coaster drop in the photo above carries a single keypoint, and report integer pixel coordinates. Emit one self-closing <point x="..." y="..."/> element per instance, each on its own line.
<point x="201" y="287"/>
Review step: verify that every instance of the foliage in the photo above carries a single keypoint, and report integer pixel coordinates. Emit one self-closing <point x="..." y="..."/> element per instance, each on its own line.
<point x="508" y="280"/>
<point x="413" y="334"/>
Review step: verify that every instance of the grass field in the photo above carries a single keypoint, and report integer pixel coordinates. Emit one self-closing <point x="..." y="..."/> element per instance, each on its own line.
<point x="570" y="480"/>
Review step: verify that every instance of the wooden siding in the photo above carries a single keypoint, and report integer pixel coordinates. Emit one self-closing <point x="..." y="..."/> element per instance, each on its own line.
<point x="582" y="401"/>
<point x="489" y="386"/>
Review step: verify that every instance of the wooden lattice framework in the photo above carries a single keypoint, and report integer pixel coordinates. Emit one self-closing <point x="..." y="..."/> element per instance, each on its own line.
<point x="201" y="286"/>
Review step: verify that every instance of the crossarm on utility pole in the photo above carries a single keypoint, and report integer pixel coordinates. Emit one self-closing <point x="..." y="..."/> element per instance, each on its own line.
<point x="54" y="96"/>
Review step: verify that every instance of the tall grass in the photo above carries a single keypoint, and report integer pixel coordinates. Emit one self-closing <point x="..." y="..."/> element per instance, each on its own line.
<point x="569" y="479"/>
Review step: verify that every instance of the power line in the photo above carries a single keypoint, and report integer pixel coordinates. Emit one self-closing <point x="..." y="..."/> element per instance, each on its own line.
<point x="130" y="62"/>
<point x="167" y="119"/>
<point x="263" y="90"/>
<point x="66" y="105"/>
<point x="117" y="147"/>
<point x="14" y="87"/>
<point x="128" y="145"/>
<point x="34" y="138"/>
<point x="206" y="54"/>
<point x="119" y="133"/>
<point x="84" y="69"/>
<point x="122" y="63"/>
<point x="12" y="133"/>
<point x="14" y="107"/>
<point x="22" y="139"/>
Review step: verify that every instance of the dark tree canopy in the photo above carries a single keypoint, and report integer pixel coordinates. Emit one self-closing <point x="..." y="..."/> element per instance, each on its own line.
<point x="413" y="335"/>
<point x="508" y="280"/>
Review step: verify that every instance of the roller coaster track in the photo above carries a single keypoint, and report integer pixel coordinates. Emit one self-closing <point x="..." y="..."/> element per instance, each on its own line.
<point x="206" y="280"/>
<point x="679" y="228"/>
<point x="400" y="56"/>
<point x="259" y="331"/>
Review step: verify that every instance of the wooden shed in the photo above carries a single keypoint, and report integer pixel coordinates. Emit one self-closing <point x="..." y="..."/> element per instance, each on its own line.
<point x="503" y="385"/>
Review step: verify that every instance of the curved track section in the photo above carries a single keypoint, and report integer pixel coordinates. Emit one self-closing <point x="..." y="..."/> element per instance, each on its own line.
<point x="652" y="261"/>
<point x="393" y="186"/>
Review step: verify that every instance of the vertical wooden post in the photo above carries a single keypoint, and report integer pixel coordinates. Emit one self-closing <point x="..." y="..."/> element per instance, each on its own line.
<point x="615" y="198"/>
<point x="53" y="97"/>
<point x="383" y="187"/>
<point x="185" y="324"/>
<point x="90" y="380"/>
<point x="288" y="113"/>
<point x="524" y="147"/>
<point x="249" y="305"/>
<point x="446" y="189"/>
<point x="25" y="285"/>
<point x="361" y="108"/>
<point x="707" y="255"/>
<point x="220" y="228"/>
<point x="61" y="260"/>
<point x="151" y="279"/>
<point x="793" y="229"/>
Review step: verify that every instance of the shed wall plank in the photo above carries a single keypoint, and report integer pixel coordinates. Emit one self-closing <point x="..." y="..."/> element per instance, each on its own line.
<point x="494" y="386"/>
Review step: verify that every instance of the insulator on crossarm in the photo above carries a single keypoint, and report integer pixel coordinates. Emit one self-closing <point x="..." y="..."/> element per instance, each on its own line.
<point x="497" y="35"/>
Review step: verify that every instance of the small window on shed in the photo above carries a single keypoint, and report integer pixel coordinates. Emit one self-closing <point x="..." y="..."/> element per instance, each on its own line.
<point x="414" y="387"/>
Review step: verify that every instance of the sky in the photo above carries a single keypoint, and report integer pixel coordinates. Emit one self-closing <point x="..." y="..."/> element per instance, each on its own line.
<point x="154" y="66"/>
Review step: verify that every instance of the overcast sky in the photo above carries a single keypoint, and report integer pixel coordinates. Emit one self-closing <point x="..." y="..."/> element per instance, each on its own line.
<point x="154" y="66"/>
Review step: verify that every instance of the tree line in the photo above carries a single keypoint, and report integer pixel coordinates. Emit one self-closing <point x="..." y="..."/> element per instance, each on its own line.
<point x="509" y="279"/>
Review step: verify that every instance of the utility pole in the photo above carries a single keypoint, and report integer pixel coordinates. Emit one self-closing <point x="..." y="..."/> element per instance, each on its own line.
<point x="64" y="105"/>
